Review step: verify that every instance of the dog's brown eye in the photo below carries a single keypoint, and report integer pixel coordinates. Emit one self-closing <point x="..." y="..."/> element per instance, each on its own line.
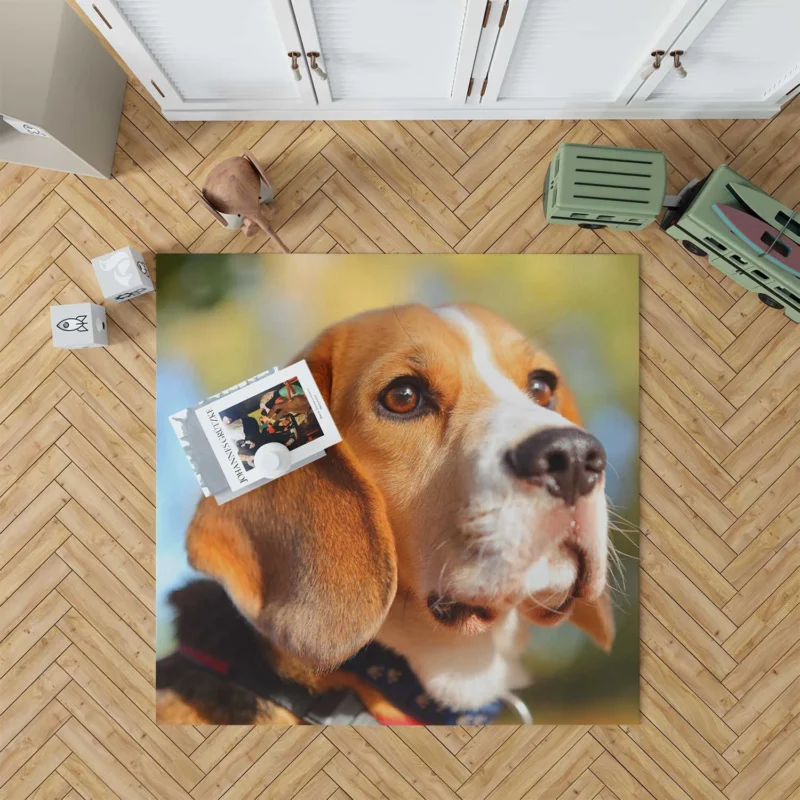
<point x="402" y="398"/>
<point x="542" y="386"/>
<point x="541" y="392"/>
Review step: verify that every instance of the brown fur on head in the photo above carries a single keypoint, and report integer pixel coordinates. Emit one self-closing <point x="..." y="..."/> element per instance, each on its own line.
<point x="308" y="559"/>
<point x="314" y="559"/>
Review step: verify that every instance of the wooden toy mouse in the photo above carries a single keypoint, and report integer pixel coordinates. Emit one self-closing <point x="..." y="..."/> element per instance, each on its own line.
<point x="233" y="195"/>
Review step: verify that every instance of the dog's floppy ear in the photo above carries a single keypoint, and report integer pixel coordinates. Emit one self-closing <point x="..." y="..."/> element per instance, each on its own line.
<point x="596" y="619"/>
<point x="308" y="558"/>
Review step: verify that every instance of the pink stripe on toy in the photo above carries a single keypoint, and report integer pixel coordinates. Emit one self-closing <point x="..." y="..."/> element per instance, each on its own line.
<point x="764" y="239"/>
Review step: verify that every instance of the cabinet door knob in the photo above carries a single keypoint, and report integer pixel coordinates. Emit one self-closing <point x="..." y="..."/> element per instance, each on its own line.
<point x="296" y="74"/>
<point x="315" y="68"/>
<point x="676" y="60"/>
<point x="651" y="68"/>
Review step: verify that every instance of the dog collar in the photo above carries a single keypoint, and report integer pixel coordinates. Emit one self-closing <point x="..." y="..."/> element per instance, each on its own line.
<point x="387" y="676"/>
<point x="334" y="707"/>
<point x="391" y="675"/>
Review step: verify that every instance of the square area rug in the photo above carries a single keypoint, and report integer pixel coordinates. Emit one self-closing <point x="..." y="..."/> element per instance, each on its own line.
<point x="467" y="554"/>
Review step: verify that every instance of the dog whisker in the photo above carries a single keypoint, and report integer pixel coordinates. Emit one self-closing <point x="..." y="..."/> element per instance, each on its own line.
<point x="624" y="525"/>
<point x="440" y="588"/>
<point x="482" y="514"/>
<point x="544" y="605"/>
<point x="619" y="517"/>
<point x="615" y="567"/>
<point x="624" y="536"/>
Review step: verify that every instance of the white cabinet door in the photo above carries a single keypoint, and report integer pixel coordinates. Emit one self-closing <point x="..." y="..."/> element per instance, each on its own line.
<point x="208" y="54"/>
<point x="385" y="54"/>
<point x="558" y="54"/>
<point x="742" y="51"/>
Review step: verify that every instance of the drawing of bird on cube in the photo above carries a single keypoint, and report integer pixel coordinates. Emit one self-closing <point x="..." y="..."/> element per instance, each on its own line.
<point x="122" y="275"/>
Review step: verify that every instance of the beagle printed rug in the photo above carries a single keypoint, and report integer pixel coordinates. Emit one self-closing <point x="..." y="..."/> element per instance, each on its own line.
<point x="464" y="551"/>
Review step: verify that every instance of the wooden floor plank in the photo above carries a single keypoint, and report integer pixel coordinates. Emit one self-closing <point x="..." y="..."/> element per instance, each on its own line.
<point x="669" y="578"/>
<point x="755" y="625"/>
<point x="159" y="131"/>
<point x="102" y="545"/>
<point x="100" y="761"/>
<point x="675" y="728"/>
<point x="12" y="176"/>
<point x="135" y="465"/>
<point x="686" y="701"/>
<point x="498" y="182"/>
<point x="476" y="133"/>
<point x="25" y="199"/>
<point x="84" y="782"/>
<point x="683" y="555"/>
<point x="26" y="417"/>
<point x="31" y="266"/>
<point x="144" y="153"/>
<point x="29" y="232"/>
<point x="452" y="127"/>
<point x="142" y="187"/>
<point x="680" y="677"/>
<point x="358" y="172"/>
<point x="90" y="605"/>
<point x="108" y="515"/>
<point x="209" y="135"/>
<point x="237" y="762"/>
<point x="30" y="484"/>
<point x="284" y="162"/>
<point x="146" y="750"/>
<point x="348" y="199"/>
<point x="426" y="168"/>
<point x="677" y="151"/>
<point x="684" y="412"/>
<point x="679" y="513"/>
<point x="704" y="142"/>
<point x="494" y="152"/>
<point x="392" y="170"/>
<point x="108" y="478"/>
<point x="437" y="143"/>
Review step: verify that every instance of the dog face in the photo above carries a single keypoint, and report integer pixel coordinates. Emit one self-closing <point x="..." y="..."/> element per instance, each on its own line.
<point x="493" y="491"/>
<point x="464" y="476"/>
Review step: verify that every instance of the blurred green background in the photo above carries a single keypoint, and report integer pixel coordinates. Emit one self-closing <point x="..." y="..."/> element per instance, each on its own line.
<point x="224" y="318"/>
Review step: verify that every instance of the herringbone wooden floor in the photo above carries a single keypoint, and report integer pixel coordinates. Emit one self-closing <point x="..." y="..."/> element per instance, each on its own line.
<point x="720" y="409"/>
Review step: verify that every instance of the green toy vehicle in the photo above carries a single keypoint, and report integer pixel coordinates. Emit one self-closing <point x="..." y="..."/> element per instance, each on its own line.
<point x="744" y="232"/>
<point x="598" y="187"/>
<point x="703" y="232"/>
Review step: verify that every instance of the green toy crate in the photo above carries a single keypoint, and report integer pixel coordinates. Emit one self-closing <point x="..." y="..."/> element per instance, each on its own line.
<point x="597" y="187"/>
<point x="702" y="232"/>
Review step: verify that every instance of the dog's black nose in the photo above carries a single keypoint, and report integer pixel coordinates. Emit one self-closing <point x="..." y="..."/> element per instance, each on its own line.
<point x="567" y="461"/>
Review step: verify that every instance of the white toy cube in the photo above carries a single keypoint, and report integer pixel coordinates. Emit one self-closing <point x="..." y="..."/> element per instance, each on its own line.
<point x="78" y="325"/>
<point x="122" y="274"/>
